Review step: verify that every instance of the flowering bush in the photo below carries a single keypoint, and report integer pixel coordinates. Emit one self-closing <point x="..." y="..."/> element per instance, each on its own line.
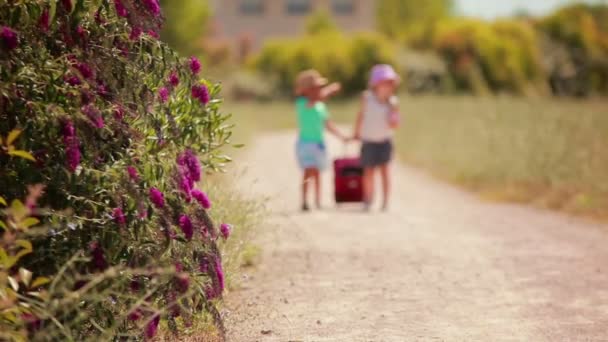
<point x="113" y="123"/>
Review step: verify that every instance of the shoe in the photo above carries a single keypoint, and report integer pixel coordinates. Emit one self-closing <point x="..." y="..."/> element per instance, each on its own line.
<point x="305" y="207"/>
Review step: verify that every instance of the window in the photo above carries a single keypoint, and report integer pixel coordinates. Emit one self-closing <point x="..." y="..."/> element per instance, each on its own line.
<point x="343" y="7"/>
<point x="298" y="7"/>
<point x="252" y="7"/>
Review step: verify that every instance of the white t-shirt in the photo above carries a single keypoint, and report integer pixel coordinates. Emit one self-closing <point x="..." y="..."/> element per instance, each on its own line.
<point x="375" y="126"/>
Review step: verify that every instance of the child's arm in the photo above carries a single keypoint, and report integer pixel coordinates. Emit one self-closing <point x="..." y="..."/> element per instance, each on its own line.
<point x="359" y="120"/>
<point x="394" y="120"/>
<point x="330" y="90"/>
<point x="331" y="127"/>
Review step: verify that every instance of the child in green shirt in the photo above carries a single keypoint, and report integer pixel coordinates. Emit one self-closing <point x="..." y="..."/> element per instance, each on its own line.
<point x="313" y="118"/>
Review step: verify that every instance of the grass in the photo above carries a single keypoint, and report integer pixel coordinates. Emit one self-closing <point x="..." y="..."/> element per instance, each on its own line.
<point x="547" y="152"/>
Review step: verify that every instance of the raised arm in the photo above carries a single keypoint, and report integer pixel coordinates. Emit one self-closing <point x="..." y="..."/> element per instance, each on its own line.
<point x="330" y="90"/>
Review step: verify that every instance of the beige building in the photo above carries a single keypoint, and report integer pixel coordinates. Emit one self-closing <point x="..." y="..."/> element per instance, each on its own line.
<point x="251" y="22"/>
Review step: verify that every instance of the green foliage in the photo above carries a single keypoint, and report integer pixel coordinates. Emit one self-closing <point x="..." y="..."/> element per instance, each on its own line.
<point x="396" y="18"/>
<point x="583" y="31"/>
<point x="96" y="103"/>
<point x="186" y="22"/>
<point x="503" y="56"/>
<point x="344" y="59"/>
<point x="320" y="22"/>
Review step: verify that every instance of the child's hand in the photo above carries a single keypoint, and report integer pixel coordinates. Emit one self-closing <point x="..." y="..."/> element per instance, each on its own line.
<point x="330" y="90"/>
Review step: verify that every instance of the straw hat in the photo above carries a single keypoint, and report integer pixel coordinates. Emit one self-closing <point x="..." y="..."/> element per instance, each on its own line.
<point x="309" y="79"/>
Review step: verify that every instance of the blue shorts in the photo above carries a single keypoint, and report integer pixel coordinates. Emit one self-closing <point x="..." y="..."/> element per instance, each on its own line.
<point x="311" y="155"/>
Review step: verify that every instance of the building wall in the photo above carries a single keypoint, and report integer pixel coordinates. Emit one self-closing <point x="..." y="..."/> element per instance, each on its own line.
<point x="232" y="25"/>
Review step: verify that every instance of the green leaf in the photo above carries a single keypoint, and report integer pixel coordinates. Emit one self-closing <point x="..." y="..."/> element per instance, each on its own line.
<point x="12" y="136"/>
<point x="40" y="281"/>
<point x="29" y="222"/>
<point x="26" y="248"/>
<point x="52" y="10"/>
<point x="25" y="276"/>
<point x="14" y="283"/>
<point x="3" y="201"/>
<point x="22" y="154"/>
<point x="19" y="211"/>
<point x="3" y="225"/>
<point x="4" y="258"/>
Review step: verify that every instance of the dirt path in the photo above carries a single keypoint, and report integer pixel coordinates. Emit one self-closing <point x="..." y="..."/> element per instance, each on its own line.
<point x="440" y="266"/>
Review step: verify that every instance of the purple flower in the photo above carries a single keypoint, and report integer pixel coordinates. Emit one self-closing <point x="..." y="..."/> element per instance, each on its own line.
<point x="218" y="282"/>
<point x="135" y="33"/>
<point x="67" y="4"/>
<point x="201" y="198"/>
<point x="9" y="38"/>
<point x="195" y="65"/>
<point x="186" y="226"/>
<point x="185" y="185"/>
<point x="72" y="154"/>
<point x="72" y="145"/>
<point x="43" y="21"/>
<point x="225" y="229"/>
<point x="174" y="79"/>
<point x="119" y="113"/>
<point x="98" y="18"/>
<point x="135" y="285"/>
<point x="72" y="80"/>
<point x="68" y="130"/>
<point x="94" y="115"/>
<point x="219" y="272"/>
<point x="152" y="327"/>
<point x="135" y="315"/>
<point x="86" y="97"/>
<point x="119" y="216"/>
<point x="189" y="161"/>
<point x="153" y="6"/>
<point x="82" y="33"/>
<point x="98" y="258"/>
<point x="121" y="11"/>
<point x="132" y="171"/>
<point x="157" y="198"/>
<point x="163" y="94"/>
<point x="203" y="265"/>
<point x="85" y="70"/>
<point x="153" y="34"/>
<point x="201" y="93"/>
<point x="183" y="283"/>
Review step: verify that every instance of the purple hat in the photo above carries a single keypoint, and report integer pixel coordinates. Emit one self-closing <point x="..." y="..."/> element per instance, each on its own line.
<point x="381" y="73"/>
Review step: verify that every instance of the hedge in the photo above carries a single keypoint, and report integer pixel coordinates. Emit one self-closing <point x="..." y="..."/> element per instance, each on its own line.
<point x="105" y="230"/>
<point x="340" y="58"/>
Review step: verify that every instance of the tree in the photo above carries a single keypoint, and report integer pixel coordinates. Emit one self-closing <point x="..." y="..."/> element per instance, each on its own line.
<point x="320" y="22"/>
<point x="186" y="22"/>
<point x="396" y="17"/>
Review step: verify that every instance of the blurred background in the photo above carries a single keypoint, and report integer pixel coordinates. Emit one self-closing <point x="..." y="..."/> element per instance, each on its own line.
<point x="507" y="98"/>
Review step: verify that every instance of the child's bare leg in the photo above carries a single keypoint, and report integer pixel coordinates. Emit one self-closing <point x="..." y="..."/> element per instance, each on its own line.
<point x="306" y="179"/>
<point x="386" y="184"/>
<point x="317" y="180"/>
<point x="368" y="185"/>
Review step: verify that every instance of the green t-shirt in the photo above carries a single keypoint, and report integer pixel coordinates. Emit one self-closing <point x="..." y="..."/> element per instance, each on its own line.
<point x="311" y="120"/>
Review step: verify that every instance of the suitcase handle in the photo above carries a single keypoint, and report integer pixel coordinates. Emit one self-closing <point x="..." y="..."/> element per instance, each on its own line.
<point x="345" y="148"/>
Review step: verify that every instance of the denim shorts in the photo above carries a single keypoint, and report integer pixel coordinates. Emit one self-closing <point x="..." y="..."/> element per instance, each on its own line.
<point x="311" y="155"/>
